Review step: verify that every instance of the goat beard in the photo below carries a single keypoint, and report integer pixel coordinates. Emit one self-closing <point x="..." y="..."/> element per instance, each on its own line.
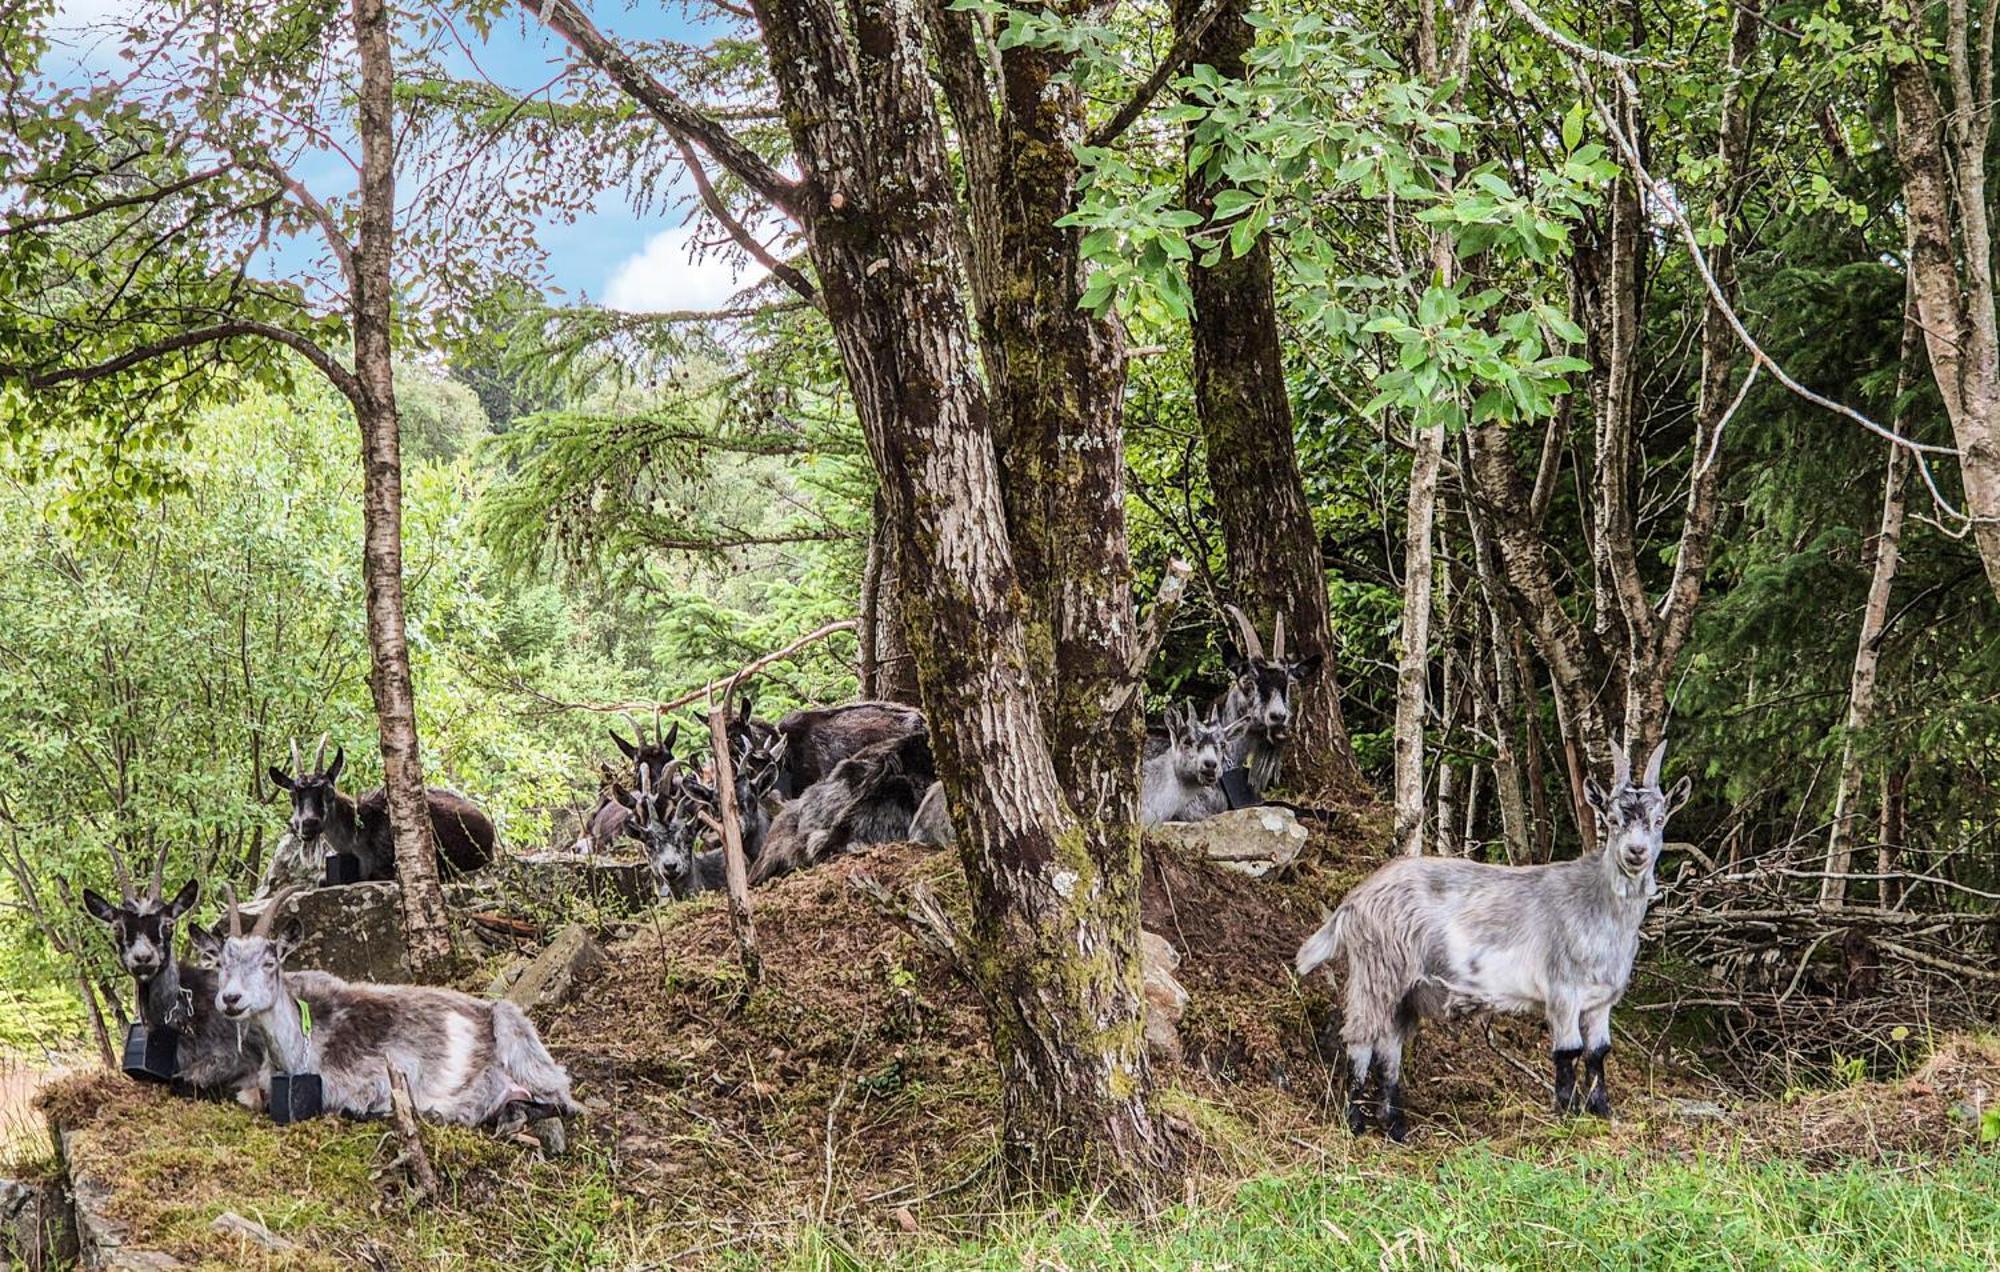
<point x="1266" y="765"/>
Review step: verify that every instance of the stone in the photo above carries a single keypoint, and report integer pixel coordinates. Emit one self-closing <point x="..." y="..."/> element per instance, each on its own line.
<point x="551" y="979"/>
<point x="231" y="1224"/>
<point x="623" y="887"/>
<point x="37" y="1225"/>
<point x="354" y="932"/>
<point x="102" y="1241"/>
<point x="1166" y="1000"/>
<point x="1696" y="1110"/>
<point x="1253" y="841"/>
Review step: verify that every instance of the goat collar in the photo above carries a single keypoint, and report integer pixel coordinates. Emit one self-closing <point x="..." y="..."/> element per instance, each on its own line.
<point x="305" y="1018"/>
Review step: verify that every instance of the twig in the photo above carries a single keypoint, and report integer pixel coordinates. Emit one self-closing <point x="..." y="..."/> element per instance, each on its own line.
<point x="1176" y="57"/>
<point x="707" y="692"/>
<point x="734" y="865"/>
<point x="403" y="1113"/>
<point x="1152" y="632"/>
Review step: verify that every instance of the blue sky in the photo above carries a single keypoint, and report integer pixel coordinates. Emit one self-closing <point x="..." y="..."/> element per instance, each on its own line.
<point x="608" y="255"/>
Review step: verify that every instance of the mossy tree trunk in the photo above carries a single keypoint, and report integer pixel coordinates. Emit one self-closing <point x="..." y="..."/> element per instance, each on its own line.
<point x="1273" y="548"/>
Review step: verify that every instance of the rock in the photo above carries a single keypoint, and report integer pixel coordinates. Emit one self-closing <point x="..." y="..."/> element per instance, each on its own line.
<point x="229" y="1223"/>
<point x="551" y="978"/>
<point x="354" y="931"/>
<point x="102" y="1241"/>
<point x="1165" y="999"/>
<point x="1696" y="1110"/>
<point x="503" y="980"/>
<point x="625" y="887"/>
<point x="37" y="1225"/>
<point x="1254" y="841"/>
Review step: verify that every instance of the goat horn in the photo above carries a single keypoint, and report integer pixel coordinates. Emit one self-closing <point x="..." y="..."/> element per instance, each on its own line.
<point x="123" y="874"/>
<point x="235" y="915"/>
<point x="1654" y="765"/>
<point x="297" y="768"/>
<point x="1252" y="646"/>
<point x="160" y="876"/>
<point x="270" y="914"/>
<point x="1278" y="639"/>
<point x="1621" y="768"/>
<point x="319" y="755"/>
<point x="659" y="728"/>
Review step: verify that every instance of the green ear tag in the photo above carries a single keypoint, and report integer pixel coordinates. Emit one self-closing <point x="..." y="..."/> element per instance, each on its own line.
<point x="305" y="1018"/>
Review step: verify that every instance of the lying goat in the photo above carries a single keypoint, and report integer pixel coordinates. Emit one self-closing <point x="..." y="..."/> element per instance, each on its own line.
<point x="172" y="993"/>
<point x="869" y="798"/>
<point x="606" y="820"/>
<point x="1434" y="936"/>
<point x="1183" y="782"/>
<point x="817" y="739"/>
<point x="1259" y="699"/>
<point x="467" y="1060"/>
<point x="338" y="823"/>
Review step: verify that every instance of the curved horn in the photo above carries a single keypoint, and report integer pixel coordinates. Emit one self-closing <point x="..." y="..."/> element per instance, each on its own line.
<point x="319" y="754"/>
<point x="659" y="728"/>
<point x="160" y="875"/>
<point x="119" y="870"/>
<point x="1278" y="639"/>
<point x="235" y="915"/>
<point x="1252" y="646"/>
<point x="270" y="914"/>
<point x="1654" y="765"/>
<point x="297" y="768"/>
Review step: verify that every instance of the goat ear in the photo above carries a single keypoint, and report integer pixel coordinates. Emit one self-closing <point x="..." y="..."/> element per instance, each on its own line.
<point x="207" y="945"/>
<point x="279" y="778"/>
<point x="184" y="899"/>
<point x="1679" y="794"/>
<point x="1307" y="667"/>
<point x="667" y="742"/>
<point x="98" y="908"/>
<point x="333" y="769"/>
<point x="630" y="749"/>
<point x="291" y="934"/>
<point x="1594" y="795"/>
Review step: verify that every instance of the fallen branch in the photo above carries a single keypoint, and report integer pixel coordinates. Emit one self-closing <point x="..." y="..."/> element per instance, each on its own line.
<point x="735" y="867"/>
<point x="403" y="1114"/>
<point x="508" y="925"/>
<point x="922" y="915"/>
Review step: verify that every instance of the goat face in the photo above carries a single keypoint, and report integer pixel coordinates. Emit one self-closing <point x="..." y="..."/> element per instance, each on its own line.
<point x="248" y="969"/>
<point x="313" y="792"/>
<point x="1633" y="816"/>
<point x="1263" y="690"/>
<point x="668" y="824"/>
<point x="143" y="927"/>
<point x="1201" y="746"/>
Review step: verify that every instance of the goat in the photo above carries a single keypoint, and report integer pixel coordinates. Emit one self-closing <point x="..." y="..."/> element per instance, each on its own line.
<point x="1182" y="783"/>
<point x="1427" y="937"/>
<point x="817" y="739"/>
<point x="932" y="822"/>
<point x="340" y="823"/>
<point x="1260" y="697"/>
<point x="668" y="823"/>
<point x="606" y="819"/>
<point x="173" y="993"/>
<point x="869" y="798"/>
<point x="467" y="1060"/>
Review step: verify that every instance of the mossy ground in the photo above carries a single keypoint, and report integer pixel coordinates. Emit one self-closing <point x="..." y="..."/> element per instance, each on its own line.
<point x="844" y="1116"/>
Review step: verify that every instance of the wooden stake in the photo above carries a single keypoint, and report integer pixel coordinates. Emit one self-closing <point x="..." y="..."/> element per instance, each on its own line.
<point x="736" y="868"/>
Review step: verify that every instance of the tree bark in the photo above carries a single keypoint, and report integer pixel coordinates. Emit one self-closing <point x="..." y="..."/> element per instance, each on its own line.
<point x="1868" y="650"/>
<point x="1246" y="419"/>
<point x="425" y="923"/>
<point x="1413" y="649"/>
<point x="1054" y="894"/>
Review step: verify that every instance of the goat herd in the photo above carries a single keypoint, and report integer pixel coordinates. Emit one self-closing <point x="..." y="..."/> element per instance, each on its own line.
<point x="1422" y="937"/>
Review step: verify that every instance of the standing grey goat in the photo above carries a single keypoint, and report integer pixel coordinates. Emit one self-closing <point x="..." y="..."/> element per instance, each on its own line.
<point x="1183" y="782"/>
<point x="1260" y="698"/>
<point x="180" y="995"/>
<point x="468" y="1060"/>
<point x="1434" y="936"/>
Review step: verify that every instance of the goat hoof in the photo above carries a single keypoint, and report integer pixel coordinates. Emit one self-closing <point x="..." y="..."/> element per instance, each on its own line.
<point x="1598" y="1105"/>
<point x="1396" y="1129"/>
<point x="1357" y="1120"/>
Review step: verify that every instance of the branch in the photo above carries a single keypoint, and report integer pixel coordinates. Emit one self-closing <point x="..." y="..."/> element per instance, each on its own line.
<point x="341" y="377"/>
<point x="668" y="107"/>
<point x="707" y="691"/>
<point x="736" y="870"/>
<point x="787" y="274"/>
<point x="343" y="251"/>
<point x="1152" y="632"/>
<point x="1170" y="65"/>
<point x="111" y="205"/>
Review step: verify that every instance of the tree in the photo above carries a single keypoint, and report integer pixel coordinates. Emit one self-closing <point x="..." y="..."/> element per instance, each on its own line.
<point x="1246" y="417"/>
<point x="175" y="304"/>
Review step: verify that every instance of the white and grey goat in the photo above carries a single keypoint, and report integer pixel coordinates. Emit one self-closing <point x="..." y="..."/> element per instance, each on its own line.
<point x="1436" y="936"/>
<point x="1183" y="782"/>
<point x="467" y="1060"/>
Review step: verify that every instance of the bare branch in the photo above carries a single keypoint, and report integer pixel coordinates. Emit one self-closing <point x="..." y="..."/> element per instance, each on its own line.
<point x="1170" y="65"/>
<point x="112" y="205"/>
<point x="706" y="692"/>
<point x="340" y="376"/>
<point x="787" y="274"/>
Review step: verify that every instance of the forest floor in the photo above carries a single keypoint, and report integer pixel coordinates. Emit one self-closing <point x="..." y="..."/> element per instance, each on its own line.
<point x="844" y="1117"/>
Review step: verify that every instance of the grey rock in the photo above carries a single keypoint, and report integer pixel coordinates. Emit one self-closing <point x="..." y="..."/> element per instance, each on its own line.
<point x="354" y="931"/>
<point x="102" y="1241"/>
<point x="551" y="979"/>
<point x="37" y="1225"/>
<point x="1166" y="1000"/>
<point x="229" y="1223"/>
<point x="1696" y="1110"/>
<point x="624" y="887"/>
<point x="1253" y="841"/>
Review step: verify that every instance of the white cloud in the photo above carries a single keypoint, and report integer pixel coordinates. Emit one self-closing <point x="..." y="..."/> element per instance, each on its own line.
<point x="663" y="275"/>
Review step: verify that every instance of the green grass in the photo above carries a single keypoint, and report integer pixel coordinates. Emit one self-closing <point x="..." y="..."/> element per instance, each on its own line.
<point x="1479" y="1209"/>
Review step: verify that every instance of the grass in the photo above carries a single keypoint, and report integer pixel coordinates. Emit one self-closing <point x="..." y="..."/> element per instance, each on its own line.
<point x="1476" y="1208"/>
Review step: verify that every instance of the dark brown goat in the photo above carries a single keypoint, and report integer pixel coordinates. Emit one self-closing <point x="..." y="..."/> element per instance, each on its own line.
<point x="321" y="812"/>
<point x="817" y="739"/>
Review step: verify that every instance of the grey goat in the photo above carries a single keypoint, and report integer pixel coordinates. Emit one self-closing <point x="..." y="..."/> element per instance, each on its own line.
<point x="1429" y="937"/>
<point x="467" y="1060"/>
<point x="1260" y="698"/>
<point x="1182" y="783"/>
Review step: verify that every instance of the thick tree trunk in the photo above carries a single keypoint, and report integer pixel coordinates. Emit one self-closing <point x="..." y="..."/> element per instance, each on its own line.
<point x="1054" y="897"/>
<point x="1868" y="650"/>
<point x="424" y="920"/>
<point x="1253" y="469"/>
<point x="887" y="670"/>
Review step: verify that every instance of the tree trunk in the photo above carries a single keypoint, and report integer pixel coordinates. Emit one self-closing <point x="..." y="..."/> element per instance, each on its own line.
<point x="1868" y="651"/>
<point x="1889" y="833"/>
<point x="1413" y="653"/>
<point x="888" y="671"/>
<point x="425" y="923"/>
<point x="1510" y="732"/>
<point x="1253" y="470"/>
<point x="1055" y="932"/>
